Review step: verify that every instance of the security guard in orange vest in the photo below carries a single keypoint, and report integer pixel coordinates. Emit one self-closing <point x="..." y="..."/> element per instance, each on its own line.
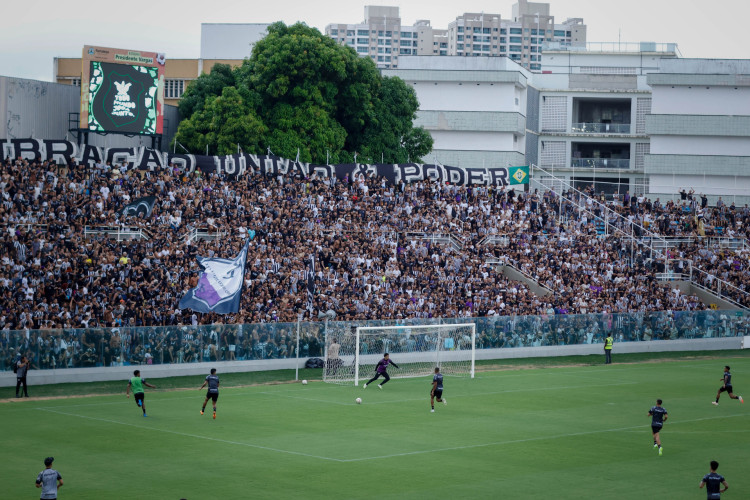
<point x="608" y="349"/>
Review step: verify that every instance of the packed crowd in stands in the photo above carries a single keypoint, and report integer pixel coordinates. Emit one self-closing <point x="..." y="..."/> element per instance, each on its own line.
<point x="374" y="244"/>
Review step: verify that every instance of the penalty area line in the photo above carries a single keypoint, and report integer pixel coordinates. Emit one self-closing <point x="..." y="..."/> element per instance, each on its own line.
<point x="196" y="436"/>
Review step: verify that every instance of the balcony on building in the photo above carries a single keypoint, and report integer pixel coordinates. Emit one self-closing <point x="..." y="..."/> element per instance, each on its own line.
<point x="601" y="116"/>
<point x="600" y="155"/>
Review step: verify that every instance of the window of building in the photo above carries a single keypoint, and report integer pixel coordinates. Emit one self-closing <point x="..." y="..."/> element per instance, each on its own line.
<point x="173" y="88"/>
<point x="559" y="32"/>
<point x="515" y="39"/>
<point x="460" y="29"/>
<point x="460" y="38"/>
<point x="515" y="48"/>
<point x="533" y="57"/>
<point x="503" y="31"/>
<point x="486" y="30"/>
<point x="76" y="82"/>
<point x="515" y="31"/>
<point x="567" y="33"/>
<point x="334" y="32"/>
<point x="502" y="39"/>
<point x="362" y="50"/>
<point x="406" y="34"/>
<point x="363" y="41"/>
<point x="351" y="33"/>
<point x="502" y="48"/>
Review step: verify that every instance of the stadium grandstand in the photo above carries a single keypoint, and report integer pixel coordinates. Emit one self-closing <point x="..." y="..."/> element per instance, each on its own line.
<point x="97" y="288"/>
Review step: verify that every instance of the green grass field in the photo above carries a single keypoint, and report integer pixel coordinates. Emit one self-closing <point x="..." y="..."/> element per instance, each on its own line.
<point x="566" y="432"/>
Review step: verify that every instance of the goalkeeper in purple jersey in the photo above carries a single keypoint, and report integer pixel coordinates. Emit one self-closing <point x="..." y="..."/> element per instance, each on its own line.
<point x="381" y="369"/>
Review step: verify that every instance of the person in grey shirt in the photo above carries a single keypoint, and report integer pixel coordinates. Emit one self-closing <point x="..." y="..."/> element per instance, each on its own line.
<point x="22" y="368"/>
<point x="49" y="480"/>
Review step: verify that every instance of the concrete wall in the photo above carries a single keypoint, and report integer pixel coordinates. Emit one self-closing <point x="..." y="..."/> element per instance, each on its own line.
<point x="42" y="377"/>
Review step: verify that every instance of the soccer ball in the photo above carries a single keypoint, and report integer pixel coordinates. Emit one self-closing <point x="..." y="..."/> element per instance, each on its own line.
<point x="304" y="382"/>
<point x="359" y="401"/>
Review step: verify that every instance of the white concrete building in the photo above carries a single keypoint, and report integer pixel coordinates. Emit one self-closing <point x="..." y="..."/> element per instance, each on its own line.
<point x="592" y="109"/>
<point x="699" y="128"/>
<point x="474" y="108"/>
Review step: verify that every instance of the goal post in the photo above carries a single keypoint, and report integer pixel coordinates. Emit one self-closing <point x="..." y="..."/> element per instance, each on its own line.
<point x="351" y="353"/>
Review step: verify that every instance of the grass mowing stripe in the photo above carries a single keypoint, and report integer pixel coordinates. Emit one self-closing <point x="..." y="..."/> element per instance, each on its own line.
<point x="404" y="454"/>
<point x="207" y="438"/>
<point x="536" y="438"/>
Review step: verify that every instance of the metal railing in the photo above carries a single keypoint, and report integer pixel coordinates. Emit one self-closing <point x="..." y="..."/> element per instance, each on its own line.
<point x="445" y="238"/>
<point x="600" y="128"/>
<point x="203" y="234"/>
<point x="117" y="232"/>
<point x="620" y="163"/>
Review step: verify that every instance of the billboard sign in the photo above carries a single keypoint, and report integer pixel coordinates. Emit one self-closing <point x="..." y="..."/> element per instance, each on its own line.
<point x="122" y="91"/>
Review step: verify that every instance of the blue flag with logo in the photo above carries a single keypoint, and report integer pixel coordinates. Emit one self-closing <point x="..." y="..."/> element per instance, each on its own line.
<point x="219" y="286"/>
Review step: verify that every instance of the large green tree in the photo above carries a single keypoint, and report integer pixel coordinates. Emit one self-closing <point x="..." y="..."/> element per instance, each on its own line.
<point x="301" y="91"/>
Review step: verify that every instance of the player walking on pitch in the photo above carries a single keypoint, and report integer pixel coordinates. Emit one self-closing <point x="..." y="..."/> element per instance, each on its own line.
<point x="213" y="390"/>
<point x="658" y="417"/>
<point x="726" y="387"/>
<point x="437" y="390"/>
<point x="136" y="383"/>
<point x="713" y="481"/>
<point x="381" y="369"/>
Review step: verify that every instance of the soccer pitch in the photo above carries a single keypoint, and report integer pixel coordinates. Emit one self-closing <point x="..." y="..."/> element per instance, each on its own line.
<point x="558" y="432"/>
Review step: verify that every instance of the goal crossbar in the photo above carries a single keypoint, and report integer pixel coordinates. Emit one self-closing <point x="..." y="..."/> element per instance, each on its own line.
<point x="417" y="350"/>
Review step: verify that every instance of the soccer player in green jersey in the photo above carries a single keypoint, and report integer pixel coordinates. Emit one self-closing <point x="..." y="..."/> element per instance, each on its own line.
<point x="136" y="384"/>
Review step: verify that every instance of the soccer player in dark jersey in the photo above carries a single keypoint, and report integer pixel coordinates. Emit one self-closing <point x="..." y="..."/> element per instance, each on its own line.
<point x="726" y="387"/>
<point x="658" y="417"/>
<point x="713" y="481"/>
<point x="381" y="369"/>
<point x="437" y="390"/>
<point x="213" y="390"/>
<point x="136" y="383"/>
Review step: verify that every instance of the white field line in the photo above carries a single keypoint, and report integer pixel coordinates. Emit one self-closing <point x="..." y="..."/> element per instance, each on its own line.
<point x="196" y="436"/>
<point x="394" y="455"/>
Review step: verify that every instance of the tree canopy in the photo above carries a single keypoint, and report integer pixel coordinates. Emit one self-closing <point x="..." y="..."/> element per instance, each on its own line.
<point x="300" y="90"/>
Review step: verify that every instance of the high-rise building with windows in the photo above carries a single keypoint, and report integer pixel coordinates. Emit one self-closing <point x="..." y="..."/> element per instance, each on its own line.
<point x="382" y="37"/>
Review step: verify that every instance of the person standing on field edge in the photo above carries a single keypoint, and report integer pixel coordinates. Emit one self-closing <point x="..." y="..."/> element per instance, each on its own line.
<point x="49" y="480"/>
<point x="713" y="481"/>
<point x="608" y="349"/>
<point x="22" y="368"/>
<point x="136" y="383"/>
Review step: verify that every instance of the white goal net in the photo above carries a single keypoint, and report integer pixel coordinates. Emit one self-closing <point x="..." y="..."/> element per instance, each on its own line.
<point x="353" y="352"/>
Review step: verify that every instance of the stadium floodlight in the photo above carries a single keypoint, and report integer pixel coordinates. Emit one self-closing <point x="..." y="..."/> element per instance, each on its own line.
<point x="352" y="352"/>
